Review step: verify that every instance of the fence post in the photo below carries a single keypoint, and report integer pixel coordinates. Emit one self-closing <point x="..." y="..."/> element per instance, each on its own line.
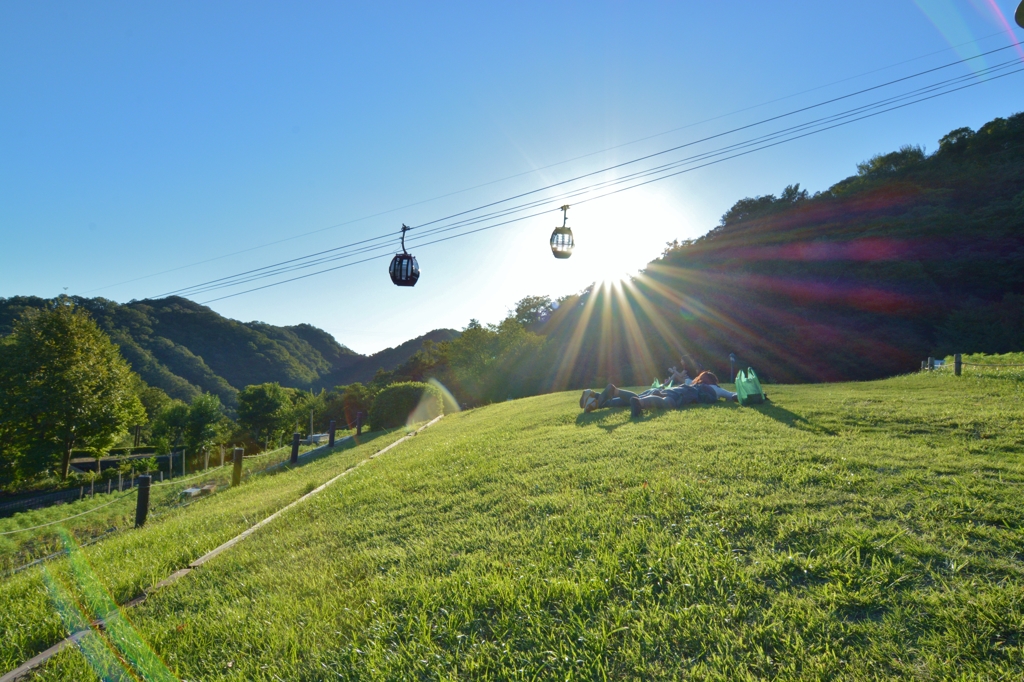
<point x="170" y="465"/>
<point x="81" y="492"/>
<point x="236" y="475"/>
<point x="206" y="458"/>
<point x="120" y="486"/>
<point x="330" y="437"/>
<point x="958" y="362"/>
<point x="222" y="454"/>
<point x="931" y="363"/>
<point x="295" y="449"/>
<point x="142" y="504"/>
<point x="359" y="423"/>
<point x="108" y="486"/>
<point x="183" y="458"/>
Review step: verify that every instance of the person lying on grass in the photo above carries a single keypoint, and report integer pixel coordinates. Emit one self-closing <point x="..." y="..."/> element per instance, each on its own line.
<point x="704" y="389"/>
<point x="678" y="377"/>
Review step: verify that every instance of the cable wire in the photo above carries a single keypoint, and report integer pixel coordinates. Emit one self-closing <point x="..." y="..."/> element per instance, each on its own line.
<point x="622" y="164"/>
<point x="373" y="244"/>
<point x="978" y="78"/>
<point x="616" y="191"/>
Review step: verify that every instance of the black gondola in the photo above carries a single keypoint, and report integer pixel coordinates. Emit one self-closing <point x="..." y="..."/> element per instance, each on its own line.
<point x="404" y="269"/>
<point x="561" y="239"/>
<point x="1019" y="16"/>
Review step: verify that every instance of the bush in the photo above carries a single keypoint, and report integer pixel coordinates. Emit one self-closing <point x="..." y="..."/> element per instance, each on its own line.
<point x="410" y="401"/>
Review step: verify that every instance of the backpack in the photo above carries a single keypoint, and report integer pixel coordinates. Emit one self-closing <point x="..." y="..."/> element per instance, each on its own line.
<point x="748" y="388"/>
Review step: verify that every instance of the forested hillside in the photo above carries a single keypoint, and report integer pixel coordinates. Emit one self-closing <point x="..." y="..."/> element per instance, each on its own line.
<point x="915" y="255"/>
<point x="185" y="348"/>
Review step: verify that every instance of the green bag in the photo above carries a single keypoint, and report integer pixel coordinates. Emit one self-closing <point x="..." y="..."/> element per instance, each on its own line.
<point x="748" y="388"/>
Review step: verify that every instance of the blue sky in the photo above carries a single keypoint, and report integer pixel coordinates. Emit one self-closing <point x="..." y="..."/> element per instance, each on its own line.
<point x="139" y="138"/>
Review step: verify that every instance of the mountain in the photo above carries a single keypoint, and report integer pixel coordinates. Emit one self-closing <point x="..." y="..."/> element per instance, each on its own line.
<point x="186" y="348"/>
<point x="916" y="255"/>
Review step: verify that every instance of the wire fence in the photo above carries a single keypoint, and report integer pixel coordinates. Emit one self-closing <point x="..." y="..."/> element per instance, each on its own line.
<point x="36" y="539"/>
<point x="957" y="364"/>
<point x="91" y="489"/>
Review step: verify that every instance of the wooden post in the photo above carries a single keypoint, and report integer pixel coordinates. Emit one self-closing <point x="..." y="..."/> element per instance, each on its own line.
<point x="206" y="458"/>
<point x="161" y="475"/>
<point x="81" y="492"/>
<point x="142" y="503"/>
<point x="119" y="482"/>
<point x="330" y="437"/>
<point x="92" y="488"/>
<point x="295" y="449"/>
<point x="183" y="461"/>
<point x="958" y="362"/>
<point x="236" y="475"/>
<point x="931" y="363"/>
<point x="170" y="465"/>
<point x="359" y="423"/>
<point x="108" y="486"/>
<point x="222" y="454"/>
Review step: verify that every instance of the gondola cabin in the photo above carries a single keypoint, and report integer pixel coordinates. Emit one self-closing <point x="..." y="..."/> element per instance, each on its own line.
<point x="404" y="269"/>
<point x="562" y="242"/>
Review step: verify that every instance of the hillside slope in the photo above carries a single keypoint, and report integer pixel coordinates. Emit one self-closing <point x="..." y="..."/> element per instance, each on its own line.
<point x="846" y="531"/>
<point x="915" y="255"/>
<point x="186" y="348"/>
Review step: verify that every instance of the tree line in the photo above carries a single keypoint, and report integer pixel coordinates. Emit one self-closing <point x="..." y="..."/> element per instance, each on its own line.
<point x="917" y="254"/>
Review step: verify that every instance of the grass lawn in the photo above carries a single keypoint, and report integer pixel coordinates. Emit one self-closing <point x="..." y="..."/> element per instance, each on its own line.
<point x="104" y="514"/>
<point x="846" y="531"/>
<point x="130" y="561"/>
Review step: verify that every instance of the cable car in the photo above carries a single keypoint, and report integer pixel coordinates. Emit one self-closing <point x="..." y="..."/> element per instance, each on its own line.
<point x="404" y="269"/>
<point x="561" y="239"/>
<point x="1019" y="16"/>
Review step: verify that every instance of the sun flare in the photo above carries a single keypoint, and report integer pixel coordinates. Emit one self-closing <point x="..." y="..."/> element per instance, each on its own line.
<point x="618" y="236"/>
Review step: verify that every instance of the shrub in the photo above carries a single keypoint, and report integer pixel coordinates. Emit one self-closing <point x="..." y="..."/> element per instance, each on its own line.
<point x="401" y="403"/>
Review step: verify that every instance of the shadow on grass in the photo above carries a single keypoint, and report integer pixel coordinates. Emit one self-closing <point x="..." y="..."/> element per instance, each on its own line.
<point x="790" y="419"/>
<point x="341" y="445"/>
<point x="600" y="418"/>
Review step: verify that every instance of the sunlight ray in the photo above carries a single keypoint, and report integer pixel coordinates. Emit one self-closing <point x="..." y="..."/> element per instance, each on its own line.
<point x="567" y="362"/>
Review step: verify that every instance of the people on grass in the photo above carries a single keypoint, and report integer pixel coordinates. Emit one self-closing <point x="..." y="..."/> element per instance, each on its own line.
<point x="703" y="389"/>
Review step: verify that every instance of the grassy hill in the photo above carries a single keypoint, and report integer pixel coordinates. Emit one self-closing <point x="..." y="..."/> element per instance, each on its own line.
<point x="846" y="531"/>
<point x="186" y="348"/>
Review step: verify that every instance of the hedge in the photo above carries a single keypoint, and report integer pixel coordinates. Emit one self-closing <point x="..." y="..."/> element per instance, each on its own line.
<point x="410" y="401"/>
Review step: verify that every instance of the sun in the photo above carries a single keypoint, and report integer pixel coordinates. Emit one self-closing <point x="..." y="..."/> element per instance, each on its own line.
<point x="618" y="236"/>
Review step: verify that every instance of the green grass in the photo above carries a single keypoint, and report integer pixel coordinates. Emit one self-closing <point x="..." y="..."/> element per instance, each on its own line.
<point x="846" y="531"/>
<point x="19" y="548"/>
<point x="131" y="561"/>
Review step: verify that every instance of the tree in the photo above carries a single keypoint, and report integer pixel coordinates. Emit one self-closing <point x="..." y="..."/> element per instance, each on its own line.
<point x="355" y="398"/>
<point x="883" y="164"/>
<point x="263" y="409"/>
<point x="169" y="426"/>
<point x="10" y="451"/>
<point x="303" y="405"/>
<point x="66" y="386"/>
<point x="532" y="309"/>
<point x="202" y="423"/>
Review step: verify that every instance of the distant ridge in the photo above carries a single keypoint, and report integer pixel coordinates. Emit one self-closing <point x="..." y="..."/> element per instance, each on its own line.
<point x="186" y="348"/>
